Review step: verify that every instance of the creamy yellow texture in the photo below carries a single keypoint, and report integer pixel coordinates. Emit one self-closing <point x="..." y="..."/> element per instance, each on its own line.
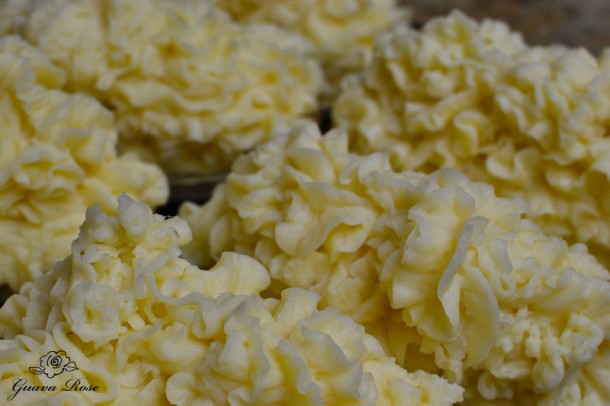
<point x="142" y="323"/>
<point x="190" y="89"/>
<point x="449" y="277"/>
<point x="57" y="157"/>
<point x="342" y="31"/>
<point x="531" y="121"/>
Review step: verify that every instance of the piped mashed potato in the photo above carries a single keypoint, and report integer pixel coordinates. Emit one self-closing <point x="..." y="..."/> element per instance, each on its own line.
<point x="57" y="157"/>
<point x="531" y="121"/>
<point x="342" y="31"/>
<point x="190" y="88"/>
<point x="449" y="277"/>
<point x="139" y="322"/>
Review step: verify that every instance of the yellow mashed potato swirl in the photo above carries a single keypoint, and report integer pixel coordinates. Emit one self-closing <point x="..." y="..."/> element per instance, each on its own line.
<point x="449" y="277"/>
<point x="190" y="89"/>
<point x="342" y="31"/>
<point x="139" y="322"/>
<point x="531" y="121"/>
<point x="57" y="157"/>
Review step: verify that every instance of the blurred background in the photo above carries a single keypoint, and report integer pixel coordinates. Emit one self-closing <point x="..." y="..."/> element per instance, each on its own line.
<point x="542" y="22"/>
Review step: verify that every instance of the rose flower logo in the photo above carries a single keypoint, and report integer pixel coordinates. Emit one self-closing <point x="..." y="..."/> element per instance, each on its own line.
<point x="54" y="363"/>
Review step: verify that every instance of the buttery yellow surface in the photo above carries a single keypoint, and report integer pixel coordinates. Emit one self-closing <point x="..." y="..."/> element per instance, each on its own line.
<point x="342" y="32"/>
<point x="142" y="323"/>
<point x="338" y="275"/>
<point x="57" y="157"/>
<point x="447" y="276"/>
<point x="190" y="88"/>
<point x="531" y="121"/>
